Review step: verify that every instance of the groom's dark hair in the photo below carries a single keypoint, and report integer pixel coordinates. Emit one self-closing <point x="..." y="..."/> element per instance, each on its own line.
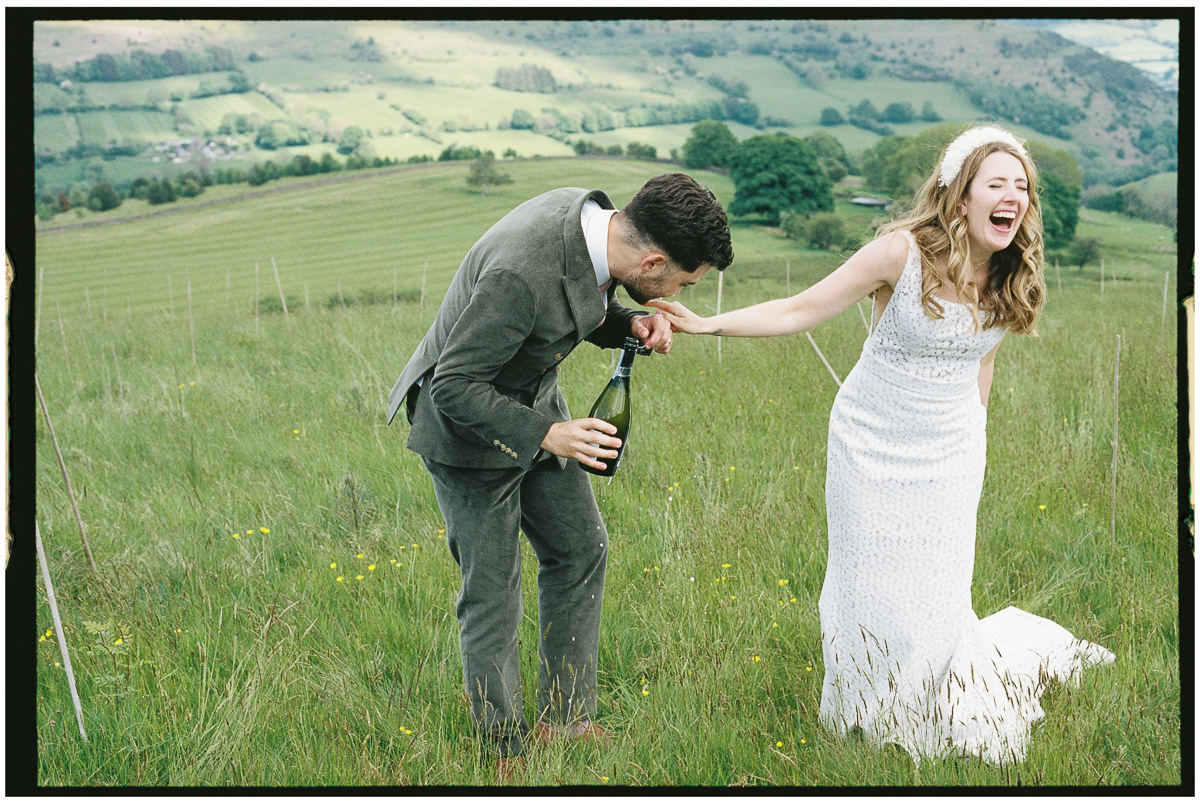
<point x="683" y="218"/>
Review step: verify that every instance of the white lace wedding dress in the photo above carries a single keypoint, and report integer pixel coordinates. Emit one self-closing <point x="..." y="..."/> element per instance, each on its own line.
<point x="906" y="657"/>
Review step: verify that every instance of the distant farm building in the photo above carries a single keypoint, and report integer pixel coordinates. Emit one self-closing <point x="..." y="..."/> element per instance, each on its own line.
<point x="867" y="201"/>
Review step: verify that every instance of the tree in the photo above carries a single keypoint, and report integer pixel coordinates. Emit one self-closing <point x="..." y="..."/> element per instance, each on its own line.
<point x="1060" y="210"/>
<point x="103" y="196"/>
<point x="641" y="151"/>
<point x="1085" y="250"/>
<point x="161" y="191"/>
<point x="831" y="117"/>
<point x="352" y="137"/>
<point x="776" y="172"/>
<point x="1061" y="183"/>
<point x="279" y="133"/>
<point x="740" y="110"/>
<point x="866" y="109"/>
<point x="526" y="78"/>
<point x="899" y="165"/>
<point x="328" y="164"/>
<point x="928" y="114"/>
<point x="483" y="172"/>
<point x="898" y="113"/>
<point x="824" y="231"/>
<point x="522" y="119"/>
<point x="830" y="154"/>
<point x="711" y="144"/>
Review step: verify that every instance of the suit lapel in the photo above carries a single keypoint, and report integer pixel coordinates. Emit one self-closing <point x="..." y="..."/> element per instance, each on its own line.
<point x="579" y="277"/>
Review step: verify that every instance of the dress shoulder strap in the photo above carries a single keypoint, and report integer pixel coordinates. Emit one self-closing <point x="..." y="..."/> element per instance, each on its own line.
<point x="912" y="262"/>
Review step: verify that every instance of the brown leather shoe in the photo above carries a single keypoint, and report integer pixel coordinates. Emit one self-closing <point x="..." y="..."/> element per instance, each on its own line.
<point x="584" y="730"/>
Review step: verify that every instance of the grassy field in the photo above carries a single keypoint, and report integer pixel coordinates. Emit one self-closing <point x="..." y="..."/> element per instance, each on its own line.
<point x="276" y="604"/>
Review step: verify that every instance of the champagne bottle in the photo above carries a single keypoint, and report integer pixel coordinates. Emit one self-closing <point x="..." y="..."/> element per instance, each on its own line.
<point x="613" y="404"/>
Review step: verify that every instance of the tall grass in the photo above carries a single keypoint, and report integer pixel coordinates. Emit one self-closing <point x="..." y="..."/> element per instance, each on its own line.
<point x="232" y="507"/>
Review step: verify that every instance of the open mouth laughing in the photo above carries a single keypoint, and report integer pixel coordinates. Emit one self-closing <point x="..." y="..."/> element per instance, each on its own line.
<point x="1003" y="220"/>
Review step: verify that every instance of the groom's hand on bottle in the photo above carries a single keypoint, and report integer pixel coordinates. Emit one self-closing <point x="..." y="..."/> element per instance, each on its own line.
<point x="578" y="439"/>
<point x="653" y="331"/>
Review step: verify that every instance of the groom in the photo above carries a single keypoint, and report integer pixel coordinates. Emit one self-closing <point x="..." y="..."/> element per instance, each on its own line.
<point x="481" y="393"/>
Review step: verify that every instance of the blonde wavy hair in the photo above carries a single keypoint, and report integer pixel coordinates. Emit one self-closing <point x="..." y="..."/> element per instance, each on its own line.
<point x="1016" y="287"/>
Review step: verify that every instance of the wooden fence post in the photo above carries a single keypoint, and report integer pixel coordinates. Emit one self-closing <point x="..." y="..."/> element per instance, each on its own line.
<point x="828" y="367"/>
<point x="191" y="318"/>
<point x="256" y="299"/>
<point x="58" y="629"/>
<point x="1166" y="288"/>
<point x="282" y="301"/>
<point x="63" y="466"/>
<point x="37" y="326"/>
<point x="1112" y="531"/>
<point x="720" y="290"/>
<point x="62" y="329"/>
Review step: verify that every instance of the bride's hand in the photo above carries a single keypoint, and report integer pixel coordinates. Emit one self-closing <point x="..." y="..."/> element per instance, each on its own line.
<point x="682" y="319"/>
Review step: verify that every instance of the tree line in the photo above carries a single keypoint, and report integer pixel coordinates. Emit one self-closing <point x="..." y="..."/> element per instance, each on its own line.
<point x="138" y="65"/>
<point x="783" y="180"/>
<point x="788" y="181"/>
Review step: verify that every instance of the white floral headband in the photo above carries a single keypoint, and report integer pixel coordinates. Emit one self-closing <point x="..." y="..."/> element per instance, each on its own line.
<point x="958" y="151"/>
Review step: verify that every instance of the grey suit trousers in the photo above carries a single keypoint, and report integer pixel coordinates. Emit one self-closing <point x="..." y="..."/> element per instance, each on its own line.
<point x="485" y="511"/>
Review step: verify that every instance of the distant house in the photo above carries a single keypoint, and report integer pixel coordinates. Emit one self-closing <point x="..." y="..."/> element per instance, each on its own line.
<point x="867" y="201"/>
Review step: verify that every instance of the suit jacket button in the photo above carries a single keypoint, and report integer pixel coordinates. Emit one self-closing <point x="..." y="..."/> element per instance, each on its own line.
<point x="559" y="356"/>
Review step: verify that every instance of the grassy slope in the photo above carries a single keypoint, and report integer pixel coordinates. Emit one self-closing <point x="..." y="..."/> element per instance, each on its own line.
<point x="245" y="661"/>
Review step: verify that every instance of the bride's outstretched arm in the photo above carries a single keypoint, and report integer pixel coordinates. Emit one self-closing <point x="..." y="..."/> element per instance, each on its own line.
<point x="876" y="264"/>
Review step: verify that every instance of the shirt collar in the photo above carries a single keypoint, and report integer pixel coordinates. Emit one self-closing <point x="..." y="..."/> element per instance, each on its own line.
<point x="595" y="220"/>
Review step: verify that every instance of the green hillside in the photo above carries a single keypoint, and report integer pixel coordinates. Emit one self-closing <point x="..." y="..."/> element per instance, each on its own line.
<point x="418" y="87"/>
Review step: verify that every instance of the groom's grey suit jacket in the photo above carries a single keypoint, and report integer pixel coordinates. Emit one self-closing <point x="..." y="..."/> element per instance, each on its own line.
<point x="524" y="296"/>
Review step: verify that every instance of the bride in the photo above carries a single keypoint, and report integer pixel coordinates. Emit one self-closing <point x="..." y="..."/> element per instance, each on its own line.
<point x="906" y="658"/>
